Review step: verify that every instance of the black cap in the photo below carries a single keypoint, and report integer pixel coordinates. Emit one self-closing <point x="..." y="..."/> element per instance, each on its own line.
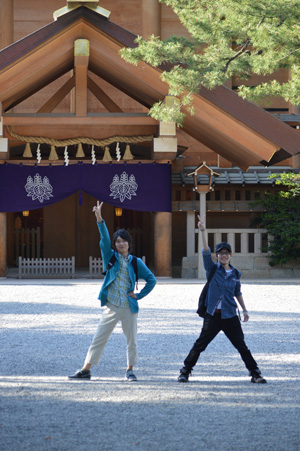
<point x="222" y="246"/>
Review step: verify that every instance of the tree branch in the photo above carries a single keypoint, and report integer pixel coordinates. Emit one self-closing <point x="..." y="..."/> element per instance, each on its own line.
<point x="239" y="53"/>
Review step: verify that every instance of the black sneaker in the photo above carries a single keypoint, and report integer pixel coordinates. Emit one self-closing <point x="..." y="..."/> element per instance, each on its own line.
<point x="81" y="374"/>
<point x="256" y="378"/>
<point x="184" y="375"/>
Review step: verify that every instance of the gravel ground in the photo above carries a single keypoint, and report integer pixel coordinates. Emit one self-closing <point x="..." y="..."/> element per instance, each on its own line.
<point x="47" y="326"/>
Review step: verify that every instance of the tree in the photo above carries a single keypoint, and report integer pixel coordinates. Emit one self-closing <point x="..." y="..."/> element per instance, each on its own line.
<point x="227" y="38"/>
<point x="282" y="219"/>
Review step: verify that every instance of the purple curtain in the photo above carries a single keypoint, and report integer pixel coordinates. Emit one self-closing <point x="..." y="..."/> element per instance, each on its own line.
<point x="143" y="187"/>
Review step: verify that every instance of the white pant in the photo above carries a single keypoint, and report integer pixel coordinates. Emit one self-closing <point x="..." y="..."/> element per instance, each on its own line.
<point x="109" y="319"/>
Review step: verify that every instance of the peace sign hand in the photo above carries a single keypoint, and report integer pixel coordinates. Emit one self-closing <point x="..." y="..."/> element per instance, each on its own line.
<point x="201" y="223"/>
<point x="97" y="210"/>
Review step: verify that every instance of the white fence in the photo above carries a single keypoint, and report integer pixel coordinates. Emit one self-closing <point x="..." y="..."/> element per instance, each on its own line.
<point x="95" y="267"/>
<point x="242" y="241"/>
<point x="248" y="248"/>
<point x="47" y="267"/>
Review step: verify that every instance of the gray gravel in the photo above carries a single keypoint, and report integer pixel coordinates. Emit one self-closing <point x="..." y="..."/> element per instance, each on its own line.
<point x="47" y="326"/>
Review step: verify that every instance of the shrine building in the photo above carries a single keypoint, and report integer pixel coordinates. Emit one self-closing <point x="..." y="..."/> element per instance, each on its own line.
<point x="74" y="129"/>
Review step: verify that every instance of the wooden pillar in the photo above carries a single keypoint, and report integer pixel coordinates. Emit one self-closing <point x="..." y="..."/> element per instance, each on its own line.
<point x="6" y="23"/>
<point x="3" y="250"/>
<point x="163" y="244"/>
<point x="6" y="38"/>
<point x="4" y="155"/>
<point x="151" y="18"/>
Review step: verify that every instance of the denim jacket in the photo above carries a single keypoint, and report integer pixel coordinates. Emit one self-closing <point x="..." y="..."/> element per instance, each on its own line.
<point x="220" y="285"/>
<point x="143" y="271"/>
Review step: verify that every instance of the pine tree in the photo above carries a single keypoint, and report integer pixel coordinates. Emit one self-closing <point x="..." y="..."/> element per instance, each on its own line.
<point x="227" y="38"/>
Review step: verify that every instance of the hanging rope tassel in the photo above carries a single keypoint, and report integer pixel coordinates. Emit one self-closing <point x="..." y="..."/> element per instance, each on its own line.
<point x="80" y="152"/>
<point x="107" y="156"/>
<point x="53" y="154"/>
<point x="27" y="152"/>
<point x="127" y="155"/>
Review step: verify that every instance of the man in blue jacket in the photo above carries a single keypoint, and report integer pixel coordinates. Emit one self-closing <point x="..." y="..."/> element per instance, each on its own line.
<point x="221" y="310"/>
<point x="118" y="298"/>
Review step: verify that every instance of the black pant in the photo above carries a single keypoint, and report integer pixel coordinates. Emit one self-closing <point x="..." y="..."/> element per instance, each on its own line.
<point x="212" y="325"/>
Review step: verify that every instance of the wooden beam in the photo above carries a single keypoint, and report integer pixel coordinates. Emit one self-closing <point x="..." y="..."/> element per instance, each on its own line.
<point x="81" y="62"/>
<point x="106" y="101"/>
<point x="226" y="135"/>
<point x="77" y="121"/>
<point x="44" y="162"/>
<point x="49" y="106"/>
<point x="6" y="23"/>
<point x="25" y="91"/>
<point x="28" y="75"/>
<point x="81" y="90"/>
<point x="95" y="131"/>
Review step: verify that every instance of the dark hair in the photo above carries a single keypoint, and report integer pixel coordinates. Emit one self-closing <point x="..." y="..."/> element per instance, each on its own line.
<point x="124" y="235"/>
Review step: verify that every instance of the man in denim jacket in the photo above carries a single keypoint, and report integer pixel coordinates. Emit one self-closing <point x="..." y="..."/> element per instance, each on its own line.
<point x="118" y="298"/>
<point x="221" y="310"/>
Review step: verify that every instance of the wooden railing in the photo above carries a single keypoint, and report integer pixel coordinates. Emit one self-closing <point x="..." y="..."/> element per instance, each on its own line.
<point x="27" y="243"/>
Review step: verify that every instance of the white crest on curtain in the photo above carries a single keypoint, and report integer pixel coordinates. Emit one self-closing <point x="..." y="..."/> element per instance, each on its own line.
<point x="38" y="188"/>
<point x="123" y="187"/>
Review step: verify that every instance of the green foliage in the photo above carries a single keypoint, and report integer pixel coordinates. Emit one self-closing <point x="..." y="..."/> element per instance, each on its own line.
<point x="291" y="181"/>
<point x="226" y="38"/>
<point x="282" y="219"/>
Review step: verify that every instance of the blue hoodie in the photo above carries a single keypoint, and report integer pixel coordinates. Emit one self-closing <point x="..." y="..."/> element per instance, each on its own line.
<point x="143" y="271"/>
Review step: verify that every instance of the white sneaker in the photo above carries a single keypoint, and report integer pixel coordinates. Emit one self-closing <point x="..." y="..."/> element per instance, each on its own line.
<point x="129" y="376"/>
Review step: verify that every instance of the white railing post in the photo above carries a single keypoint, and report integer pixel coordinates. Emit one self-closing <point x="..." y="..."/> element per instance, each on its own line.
<point x="231" y="240"/>
<point x="73" y="267"/>
<point x="244" y="234"/>
<point x="257" y="242"/>
<point x="244" y="243"/>
<point x="217" y="239"/>
<point x="202" y="213"/>
<point x="190" y="233"/>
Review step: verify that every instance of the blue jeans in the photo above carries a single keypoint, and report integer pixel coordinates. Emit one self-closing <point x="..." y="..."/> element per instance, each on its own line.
<point x="231" y="327"/>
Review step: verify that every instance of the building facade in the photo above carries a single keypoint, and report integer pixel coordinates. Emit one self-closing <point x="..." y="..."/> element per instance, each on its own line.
<point x="67" y="98"/>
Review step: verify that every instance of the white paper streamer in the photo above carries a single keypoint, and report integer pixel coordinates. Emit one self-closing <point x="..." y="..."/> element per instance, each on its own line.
<point x="66" y="156"/>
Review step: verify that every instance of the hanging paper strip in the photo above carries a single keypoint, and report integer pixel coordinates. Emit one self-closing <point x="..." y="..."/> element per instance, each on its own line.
<point x="143" y="187"/>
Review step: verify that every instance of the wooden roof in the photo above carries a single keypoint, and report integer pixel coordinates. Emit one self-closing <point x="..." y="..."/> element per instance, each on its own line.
<point x="236" y="129"/>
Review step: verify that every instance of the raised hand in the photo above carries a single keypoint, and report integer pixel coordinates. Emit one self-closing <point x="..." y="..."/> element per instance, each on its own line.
<point x="201" y="223"/>
<point x="97" y="211"/>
